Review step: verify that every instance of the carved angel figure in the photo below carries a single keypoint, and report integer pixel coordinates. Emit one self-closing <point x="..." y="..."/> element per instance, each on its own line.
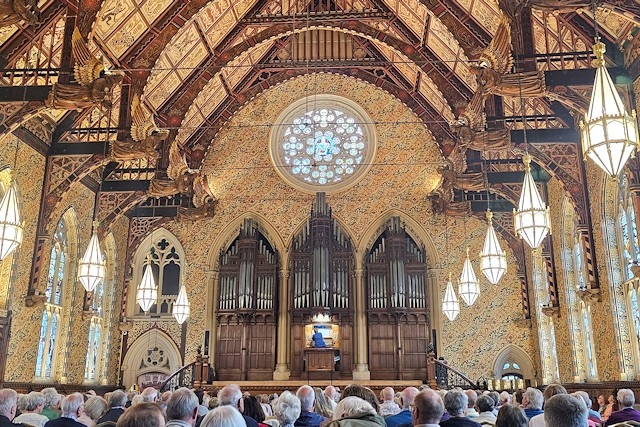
<point x="94" y="88"/>
<point x="13" y="11"/>
<point x="181" y="177"/>
<point x="207" y="210"/>
<point x="145" y="136"/>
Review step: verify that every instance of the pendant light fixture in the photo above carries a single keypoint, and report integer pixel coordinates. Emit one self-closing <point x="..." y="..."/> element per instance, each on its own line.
<point x="181" y="308"/>
<point x="468" y="288"/>
<point x="609" y="134"/>
<point x="11" y="226"/>
<point x="450" y="304"/>
<point x="531" y="220"/>
<point x="91" y="269"/>
<point x="493" y="260"/>
<point x="147" y="292"/>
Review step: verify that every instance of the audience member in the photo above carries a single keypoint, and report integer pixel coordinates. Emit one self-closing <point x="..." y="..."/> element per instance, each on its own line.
<point x="332" y="395"/>
<point x="150" y="394"/>
<point x="182" y="408"/>
<point x="8" y="407"/>
<point x="511" y="416"/>
<point x="564" y="410"/>
<point x="471" y="403"/>
<point x="353" y="411"/>
<point x="266" y="407"/>
<point x="72" y="407"/>
<point x="308" y="418"/>
<point x="117" y="401"/>
<point x="144" y="414"/>
<point x="455" y="402"/>
<point x="388" y="406"/>
<point x="253" y="409"/>
<point x="484" y="404"/>
<point x="51" y="408"/>
<point x="95" y="407"/>
<point x="594" y="416"/>
<point x="517" y="397"/>
<point x="223" y="416"/>
<point x="231" y="395"/>
<point x="427" y="409"/>
<point x="287" y="409"/>
<point x="32" y="406"/>
<point x="321" y="405"/>
<point x="602" y="403"/>
<point x="532" y="400"/>
<point x="626" y="399"/>
<point x="164" y="397"/>
<point x="364" y="393"/>
<point x="549" y="391"/>
<point x="406" y="402"/>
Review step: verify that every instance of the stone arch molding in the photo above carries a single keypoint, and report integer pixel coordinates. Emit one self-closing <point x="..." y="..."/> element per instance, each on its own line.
<point x="516" y="354"/>
<point x="133" y="364"/>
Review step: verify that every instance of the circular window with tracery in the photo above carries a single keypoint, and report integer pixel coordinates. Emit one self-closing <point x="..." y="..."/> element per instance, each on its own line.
<point x="323" y="143"/>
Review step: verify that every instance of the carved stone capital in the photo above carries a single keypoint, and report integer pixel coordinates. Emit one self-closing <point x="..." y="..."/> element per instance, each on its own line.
<point x="551" y="311"/>
<point x="35" y="300"/>
<point x="125" y="326"/>
<point x="590" y="295"/>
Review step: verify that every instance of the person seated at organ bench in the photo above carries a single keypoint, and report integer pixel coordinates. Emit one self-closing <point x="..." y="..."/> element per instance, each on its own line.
<point x="317" y="340"/>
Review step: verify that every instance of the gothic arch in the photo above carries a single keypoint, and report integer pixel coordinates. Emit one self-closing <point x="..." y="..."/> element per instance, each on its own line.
<point x="513" y="353"/>
<point x="135" y="362"/>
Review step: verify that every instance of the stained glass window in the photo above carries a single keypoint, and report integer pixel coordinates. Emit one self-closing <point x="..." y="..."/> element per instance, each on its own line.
<point x="50" y="321"/>
<point x="322" y="141"/>
<point x="588" y="345"/>
<point x="628" y="233"/>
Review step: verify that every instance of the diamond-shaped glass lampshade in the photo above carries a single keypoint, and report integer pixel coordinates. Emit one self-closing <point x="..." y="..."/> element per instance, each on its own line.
<point x="493" y="260"/>
<point x="469" y="288"/>
<point x="609" y="134"/>
<point x="11" y="227"/>
<point x="181" y="308"/>
<point x="450" y="304"/>
<point x="531" y="220"/>
<point x="147" y="292"/>
<point x="91" y="267"/>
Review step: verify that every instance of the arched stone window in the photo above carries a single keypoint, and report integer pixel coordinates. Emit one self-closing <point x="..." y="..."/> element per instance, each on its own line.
<point x="51" y="321"/>
<point x="167" y="263"/>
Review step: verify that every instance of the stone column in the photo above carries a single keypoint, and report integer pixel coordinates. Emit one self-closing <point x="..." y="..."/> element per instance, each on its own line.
<point x="282" y="371"/>
<point x="212" y="322"/>
<point x="361" y="373"/>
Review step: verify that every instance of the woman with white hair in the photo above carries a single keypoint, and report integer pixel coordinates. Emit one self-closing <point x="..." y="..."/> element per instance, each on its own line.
<point x="352" y="411"/>
<point x="223" y="416"/>
<point x="287" y="409"/>
<point x="31" y="407"/>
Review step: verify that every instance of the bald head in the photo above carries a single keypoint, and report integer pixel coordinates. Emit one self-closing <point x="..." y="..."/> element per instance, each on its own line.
<point x="428" y="408"/>
<point x="330" y="392"/>
<point x="471" y="396"/>
<point x="407" y="396"/>
<point x="387" y="394"/>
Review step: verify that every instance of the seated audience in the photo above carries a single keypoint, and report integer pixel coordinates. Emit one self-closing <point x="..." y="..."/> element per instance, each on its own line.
<point x="511" y="416"/>
<point x="564" y="410"/>
<point x="549" y="391"/>
<point x="8" y="407"/>
<point x="308" y="418"/>
<point x="182" y="408"/>
<point x="594" y="416"/>
<point x="602" y="403"/>
<point x="455" y="402"/>
<point x="406" y="402"/>
<point x="223" y="416"/>
<point x="253" y="409"/>
<point x="95" y="407"/>
<point x="51" y="408"/>
<point x="231" y="395"/>
<point x="117" y="403"/>
<point x="364" y="393"/>
<point x="332" y="396"/>
<point x="72" y="407"/>
<point x="484" y="405"/>
<point x="144" y="414"/>
<point x="532" y="400"/>
<point x="32" y="406"/>
<point x="427" y="409"/>
<point x="322" y="406"/>
<point x="388" y="406"/>
<point x="471" y="403"/>
<point x="353" y="411"/>
<point x="626" y="399"/>
<point x="266" y="407"/>
<point x="608" y="409"/>
<point x="150" y="394"/>
<point x="287" y="409"/>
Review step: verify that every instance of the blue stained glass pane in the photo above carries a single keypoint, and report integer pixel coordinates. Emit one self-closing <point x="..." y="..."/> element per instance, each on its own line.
<point x="579" y="267"/>
<point x="98" y="296"/>
<point x="96" y="345"/>
<point x="52" y="345"/>
<point x="88" y="359"/>
<point x="52" y="273"/>
<point x="506" y="366"/>
<point x="58" y="290"/>
<point x="41" y="343"/>
<point x="588" y="342"/>
<point x="516" y="366"/>
<point x="634" y="231"/>
<point x="626" y="244"/>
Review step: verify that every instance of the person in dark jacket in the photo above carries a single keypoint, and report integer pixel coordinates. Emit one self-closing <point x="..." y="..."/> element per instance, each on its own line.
<point x="307" y="417"/>
<point x="232" y="395"/>
<point x="456" y="403"/>
<point x="8" y="407"/>
<point x="117" y="402"/>
<point x="72" y="408"/>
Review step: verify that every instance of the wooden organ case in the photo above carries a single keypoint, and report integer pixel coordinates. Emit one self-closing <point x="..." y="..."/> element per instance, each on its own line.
<point x="247" y="308"/>
<point x="398" y="306"/>
<point x="321" y="282"/>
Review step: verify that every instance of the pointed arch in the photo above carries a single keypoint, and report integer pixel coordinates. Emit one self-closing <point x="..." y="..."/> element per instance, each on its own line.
<point x="511" y="354"/>
<point x="152" y="352"/>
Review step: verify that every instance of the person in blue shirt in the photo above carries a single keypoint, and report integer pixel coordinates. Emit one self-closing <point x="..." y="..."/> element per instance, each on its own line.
<point x="317" y="339"/>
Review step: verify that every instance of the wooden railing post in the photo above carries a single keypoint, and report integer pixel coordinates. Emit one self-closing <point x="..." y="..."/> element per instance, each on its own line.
<point x="431" y="370"/>
<point x="197" y="381"/>
<point x="204" y="375"/>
